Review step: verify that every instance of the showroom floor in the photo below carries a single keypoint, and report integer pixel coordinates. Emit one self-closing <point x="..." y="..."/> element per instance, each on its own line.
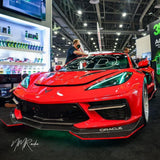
<point x="24" y="143"/>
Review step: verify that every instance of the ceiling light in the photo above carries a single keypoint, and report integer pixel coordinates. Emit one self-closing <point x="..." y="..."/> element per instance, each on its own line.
<point x="124" y="14"/>
<point x="117" y="39"/>
<point x="121" y="25"/>
<point x="79" y="12"/>
<point x="54" y="46"/>
<point x="141" y="30"/>
<point x="94" y="1"/>
<point x="69" y="42"/>
<point x="97" y="49"/>
<point x="55" y="32"/>
<point x="94" y="43"/>
<point x="63" y="38"/>
<point x="95" y="46"/>
<point x="89" y="33"/>
<point x="132" y="46"/>
<point x="115" y="46"/>
<point x="150" y="13"/>
<point x="57" y="55"/>
<point x="118" y="33"/>
<point x="64" y="51"/>
<point x="157" y="6"/>
<point x="92" y="39"/>
<point x="116" y="43"/>
<point x="144" y="34"/>
<point x="85" y="24"/>
<point x="59" y="49"/>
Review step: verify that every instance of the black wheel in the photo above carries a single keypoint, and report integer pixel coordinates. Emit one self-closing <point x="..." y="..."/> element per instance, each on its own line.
<point x="145" y="102"/>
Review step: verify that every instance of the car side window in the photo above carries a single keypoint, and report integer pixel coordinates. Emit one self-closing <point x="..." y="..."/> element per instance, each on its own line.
<point x="133" y="63"/>
<point x="148" y="76"/>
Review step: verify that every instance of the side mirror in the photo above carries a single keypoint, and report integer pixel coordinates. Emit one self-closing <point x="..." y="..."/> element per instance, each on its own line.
<point x="143" y="64"/>
<point x="57" y="68"/>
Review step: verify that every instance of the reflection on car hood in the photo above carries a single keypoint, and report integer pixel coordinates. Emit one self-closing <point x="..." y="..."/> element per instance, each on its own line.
<point x="72" y="78"/>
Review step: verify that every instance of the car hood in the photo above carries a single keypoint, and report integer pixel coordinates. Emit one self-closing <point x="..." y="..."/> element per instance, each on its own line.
<point x="72" y="78"/>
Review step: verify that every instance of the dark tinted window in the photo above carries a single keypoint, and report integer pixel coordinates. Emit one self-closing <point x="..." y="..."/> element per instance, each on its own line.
<point x="99" y="62"/>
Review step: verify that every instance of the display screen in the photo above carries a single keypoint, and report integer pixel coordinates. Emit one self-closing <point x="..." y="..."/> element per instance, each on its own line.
<point x="34" y="8"/>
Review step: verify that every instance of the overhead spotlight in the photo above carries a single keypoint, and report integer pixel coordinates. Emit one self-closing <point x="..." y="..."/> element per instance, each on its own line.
<point x="118" y="33"/>
<point x="121" y="25"/>
<point x="63" y="38"/>
<point x="94" y="1"/>
<point x="157" y="6"/>
<point x="144" y="34"/>
<point x="54" y="46"/>
<point x="141" y="30"/>
<point x="85" y="24"/>
<point x="69" y="42"/>
<point x="94" y="43"/>
<point x="79" y="12"/>
<point x="96" y="49"/>
<point x="64" y="51"/>
<point x="55" y="32"/>
<point x="57" y="55"/>
<point x="115" y="43"/>
<point x="59" y="49"/>
<point x="124" y="14"/>
<point x="95" y="46"/>
<point x="92" y="39"/>
<point x="117" y="39"/>
<point x="89" y="33"/>
<point x="115" y="46"/>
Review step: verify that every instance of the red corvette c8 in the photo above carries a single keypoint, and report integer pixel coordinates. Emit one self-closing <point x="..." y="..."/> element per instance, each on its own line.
<point x="102" y="96"/>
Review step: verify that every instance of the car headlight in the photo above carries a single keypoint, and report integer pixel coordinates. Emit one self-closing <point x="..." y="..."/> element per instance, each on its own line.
<point x="113" y="81"/>
<point x="25" y="82"/>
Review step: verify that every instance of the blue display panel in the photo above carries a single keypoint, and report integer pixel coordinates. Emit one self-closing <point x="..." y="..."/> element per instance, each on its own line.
<point x="34" y="8"/>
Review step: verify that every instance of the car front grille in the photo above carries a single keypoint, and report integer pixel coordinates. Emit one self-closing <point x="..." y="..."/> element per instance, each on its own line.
<point x="60" y="113"/>
<point x="112" y="110"/>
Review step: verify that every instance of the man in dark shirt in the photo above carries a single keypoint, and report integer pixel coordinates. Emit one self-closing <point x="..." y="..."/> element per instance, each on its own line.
<point x="73" y="51"/>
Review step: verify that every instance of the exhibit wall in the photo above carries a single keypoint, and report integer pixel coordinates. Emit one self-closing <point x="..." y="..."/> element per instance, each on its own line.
<point x="143" y="46"/>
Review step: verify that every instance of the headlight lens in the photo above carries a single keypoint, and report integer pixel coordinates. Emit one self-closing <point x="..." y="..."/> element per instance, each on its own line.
<point x="25" y="82"/>
<point x="113" y="81"/>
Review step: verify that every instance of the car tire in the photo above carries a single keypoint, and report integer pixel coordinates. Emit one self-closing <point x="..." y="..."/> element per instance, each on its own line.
<point x="145" y="102"/>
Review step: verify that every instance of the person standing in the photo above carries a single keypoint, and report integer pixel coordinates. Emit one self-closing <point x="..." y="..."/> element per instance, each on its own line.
<point x="73" y="51"/>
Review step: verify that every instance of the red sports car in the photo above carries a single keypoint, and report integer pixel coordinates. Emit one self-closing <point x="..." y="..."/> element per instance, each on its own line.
<point x="102" y="96"/>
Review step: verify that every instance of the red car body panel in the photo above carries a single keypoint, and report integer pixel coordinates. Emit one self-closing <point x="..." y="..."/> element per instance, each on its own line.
<point x="72" y="88"/>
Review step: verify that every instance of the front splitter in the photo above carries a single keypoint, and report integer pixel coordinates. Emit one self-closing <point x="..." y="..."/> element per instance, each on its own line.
<point x="117" y="132"/>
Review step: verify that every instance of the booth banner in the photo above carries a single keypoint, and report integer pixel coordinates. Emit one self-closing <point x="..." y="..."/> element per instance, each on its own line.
<point x="155" y="47"/>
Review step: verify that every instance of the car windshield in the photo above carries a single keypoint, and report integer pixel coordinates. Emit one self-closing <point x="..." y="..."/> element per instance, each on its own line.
<point x="99" y="62"/>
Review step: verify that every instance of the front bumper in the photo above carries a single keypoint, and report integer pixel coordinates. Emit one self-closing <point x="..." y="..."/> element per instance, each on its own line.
<point x="118" y="132"/>
<point x="95" y="125"/>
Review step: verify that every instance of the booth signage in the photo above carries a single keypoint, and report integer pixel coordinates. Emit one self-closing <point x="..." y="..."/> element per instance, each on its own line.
<point x="155" y="47"/>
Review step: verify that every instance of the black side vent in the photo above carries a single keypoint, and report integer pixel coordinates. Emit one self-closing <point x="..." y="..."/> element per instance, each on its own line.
<point x="112" y="110"/>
